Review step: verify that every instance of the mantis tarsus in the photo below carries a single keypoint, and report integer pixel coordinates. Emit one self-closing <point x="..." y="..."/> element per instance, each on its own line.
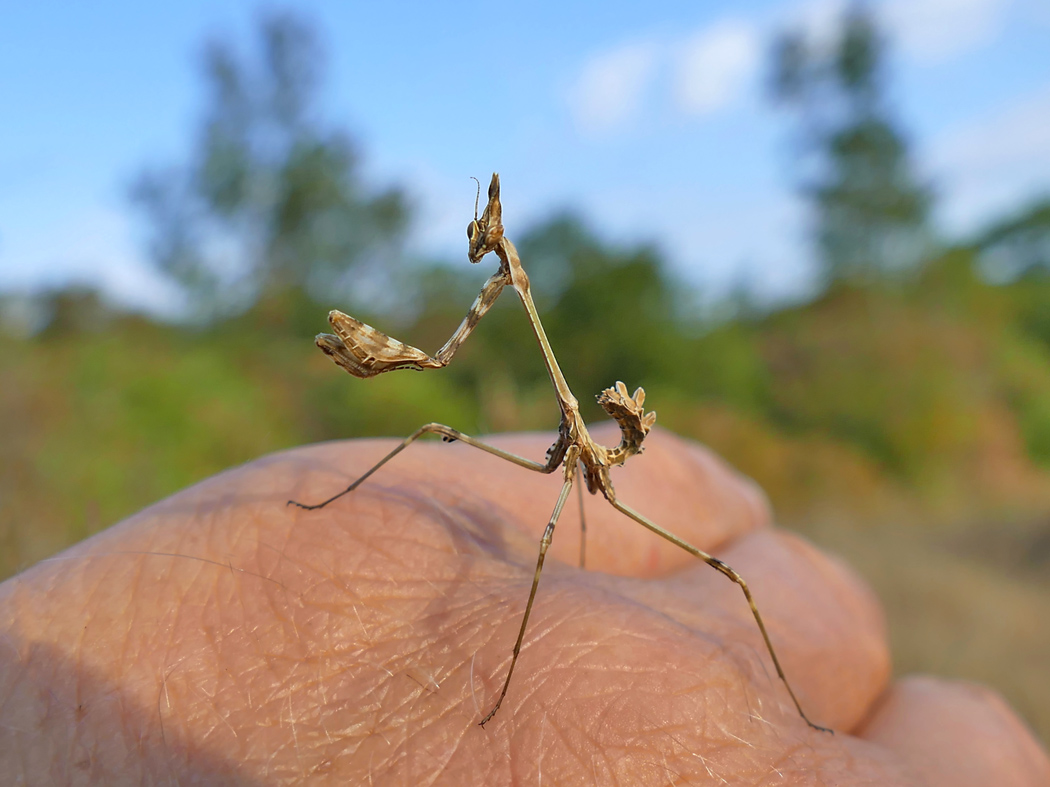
<point x="365" y="352"/>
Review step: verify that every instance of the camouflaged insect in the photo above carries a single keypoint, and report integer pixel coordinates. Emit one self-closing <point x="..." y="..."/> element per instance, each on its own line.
<point x="364" y="352"/>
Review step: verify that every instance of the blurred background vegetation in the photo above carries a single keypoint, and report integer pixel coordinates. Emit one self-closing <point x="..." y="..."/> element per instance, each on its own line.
<point x="901" y="417"/>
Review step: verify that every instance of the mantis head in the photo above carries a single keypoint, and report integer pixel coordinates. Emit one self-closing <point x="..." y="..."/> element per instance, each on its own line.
<point x="485" y="233"/>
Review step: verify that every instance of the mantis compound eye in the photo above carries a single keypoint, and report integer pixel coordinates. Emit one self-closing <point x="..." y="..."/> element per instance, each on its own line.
<point x="472" y="230"/>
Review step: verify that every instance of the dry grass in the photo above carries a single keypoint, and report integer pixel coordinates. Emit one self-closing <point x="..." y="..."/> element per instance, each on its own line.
<point x="972" y="606"/>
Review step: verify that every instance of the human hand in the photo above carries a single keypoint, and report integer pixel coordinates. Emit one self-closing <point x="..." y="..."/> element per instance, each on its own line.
<point x="222" y="637"/>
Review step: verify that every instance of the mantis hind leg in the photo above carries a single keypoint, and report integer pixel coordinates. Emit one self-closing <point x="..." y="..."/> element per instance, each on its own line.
<point x="545" y="542"/>
<point x="729" y="572"/>
<point x="449" y="435"/>
<point x="583" y="525"/>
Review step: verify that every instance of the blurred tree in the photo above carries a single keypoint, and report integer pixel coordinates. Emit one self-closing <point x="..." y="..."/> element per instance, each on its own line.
<point x="1015" y="251"/>
<point x="615" y="312"/>
<point x="271" y="202"/>
<point x="76" y="309"/>
<point x="871" y="211"/>
<point x="1019" y="245"/>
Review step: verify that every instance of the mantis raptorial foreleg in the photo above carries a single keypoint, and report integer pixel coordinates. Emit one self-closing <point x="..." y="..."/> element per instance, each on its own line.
<point x="365" y="351"/>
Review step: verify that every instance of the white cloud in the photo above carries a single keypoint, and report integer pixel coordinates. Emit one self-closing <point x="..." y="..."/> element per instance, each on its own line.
<point x="612" y="84"/>
<point x="935" y="30"/>
<point x="717" y="65"/>
<point x="991" y="165"/>
<point x="711" y="68"/>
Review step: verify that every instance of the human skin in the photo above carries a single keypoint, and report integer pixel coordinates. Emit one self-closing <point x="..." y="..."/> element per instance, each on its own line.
<point x="222" y="637"/>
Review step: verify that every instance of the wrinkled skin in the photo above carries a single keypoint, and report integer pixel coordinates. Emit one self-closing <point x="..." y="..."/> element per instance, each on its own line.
<point x="220" y="637"/>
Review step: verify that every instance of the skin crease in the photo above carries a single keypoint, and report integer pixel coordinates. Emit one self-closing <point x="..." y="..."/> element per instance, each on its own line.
<point x="221" y="637"/>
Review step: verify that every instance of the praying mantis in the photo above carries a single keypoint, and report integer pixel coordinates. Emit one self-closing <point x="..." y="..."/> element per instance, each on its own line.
<point x="366" y="352"/>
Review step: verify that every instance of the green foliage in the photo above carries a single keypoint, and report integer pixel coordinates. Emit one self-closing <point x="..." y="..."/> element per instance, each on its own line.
<point x="1019" y="245"/>
<point x="614" y="312"/>
<point x="100" y="423"/>
<point x="878" y="373"/>
<point x="1031" y="296"/>
<point x="1023" y="365"/>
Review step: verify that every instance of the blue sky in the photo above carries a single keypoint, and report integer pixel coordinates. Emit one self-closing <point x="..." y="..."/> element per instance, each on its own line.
<point x="651" y="122"/>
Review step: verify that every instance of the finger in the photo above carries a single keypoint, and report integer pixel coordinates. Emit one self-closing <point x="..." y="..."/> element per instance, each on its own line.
<point x="824" y="622"/>
<point x="959" y="734"/>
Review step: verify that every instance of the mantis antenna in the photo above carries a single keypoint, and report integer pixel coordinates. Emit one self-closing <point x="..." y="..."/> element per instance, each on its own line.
<point x="365" y="352"/>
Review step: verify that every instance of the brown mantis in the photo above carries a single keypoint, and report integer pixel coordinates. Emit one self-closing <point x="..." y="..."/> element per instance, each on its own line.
<point x="365" y="352"/>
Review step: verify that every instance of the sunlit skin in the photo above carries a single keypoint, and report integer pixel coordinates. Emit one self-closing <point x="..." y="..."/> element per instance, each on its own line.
<point x="222" y="637"/>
